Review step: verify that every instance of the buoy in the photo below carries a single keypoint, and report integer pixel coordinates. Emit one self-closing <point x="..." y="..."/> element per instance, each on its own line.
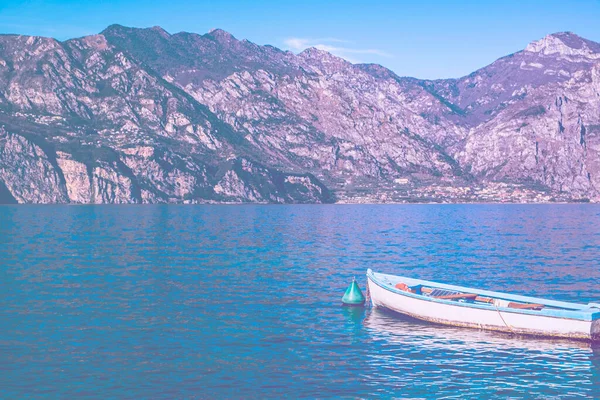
<point x="353" y="296"/>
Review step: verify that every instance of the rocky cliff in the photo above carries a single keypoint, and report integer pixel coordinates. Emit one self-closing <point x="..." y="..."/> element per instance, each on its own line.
<point x="144" y="116"/>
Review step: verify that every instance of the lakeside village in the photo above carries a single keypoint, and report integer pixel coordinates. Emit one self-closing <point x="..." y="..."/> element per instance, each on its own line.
<point x="492" y="192"/>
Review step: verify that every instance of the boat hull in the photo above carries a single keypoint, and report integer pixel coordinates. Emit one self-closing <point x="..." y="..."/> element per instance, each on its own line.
<point x="489" y="319"/>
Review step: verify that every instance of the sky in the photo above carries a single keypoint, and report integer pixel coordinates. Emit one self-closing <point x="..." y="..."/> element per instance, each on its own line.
<point x="425" y="39"/>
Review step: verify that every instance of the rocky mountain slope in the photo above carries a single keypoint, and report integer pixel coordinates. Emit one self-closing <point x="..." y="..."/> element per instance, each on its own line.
<point x="143" y="116"/>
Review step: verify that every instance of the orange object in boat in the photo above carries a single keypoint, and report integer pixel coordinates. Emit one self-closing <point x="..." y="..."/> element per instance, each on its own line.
<point x="403" y="286"/>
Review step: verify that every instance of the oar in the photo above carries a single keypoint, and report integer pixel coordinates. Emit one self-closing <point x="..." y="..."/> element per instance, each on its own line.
<point x="520" y="306"/>
<point x="457" y="296"/>
<point x="526" y="306"/>
<point x="427" y="290"/>
<point x="481" y="299"/>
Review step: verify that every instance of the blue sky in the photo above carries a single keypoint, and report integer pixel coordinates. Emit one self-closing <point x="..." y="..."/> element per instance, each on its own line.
<point x="425" y="39"/>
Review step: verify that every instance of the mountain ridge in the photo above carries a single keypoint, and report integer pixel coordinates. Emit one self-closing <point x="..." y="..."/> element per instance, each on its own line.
<point x="209" y="118"/>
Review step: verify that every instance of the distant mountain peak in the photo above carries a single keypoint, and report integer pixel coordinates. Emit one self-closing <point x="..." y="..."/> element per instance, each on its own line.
<point x="120" y="30"/>
<point x="567" y="36"/>
<point x="565" y="44"/>
<point x="160" y="30"/>
<point x="113" y="28"/>
<point x="312" y="52"/>
<point x="318" y="54"/>
<point x="221" y="35"/>
<point x="376" y="70"/>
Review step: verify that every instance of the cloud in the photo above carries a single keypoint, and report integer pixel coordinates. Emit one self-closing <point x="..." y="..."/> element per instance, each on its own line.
<point x="339" y="47"/>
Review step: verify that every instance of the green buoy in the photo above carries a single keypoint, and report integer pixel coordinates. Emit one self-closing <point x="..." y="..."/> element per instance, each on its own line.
<point x="353" y="295"/>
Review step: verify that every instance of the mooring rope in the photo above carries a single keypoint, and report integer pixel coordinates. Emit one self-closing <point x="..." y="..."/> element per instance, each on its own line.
<point x="502" y="318"/>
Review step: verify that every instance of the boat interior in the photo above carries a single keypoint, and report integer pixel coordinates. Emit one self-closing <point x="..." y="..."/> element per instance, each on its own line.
<point x="446" y="294"/>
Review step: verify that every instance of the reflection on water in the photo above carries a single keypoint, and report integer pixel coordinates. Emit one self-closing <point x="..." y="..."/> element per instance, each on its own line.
<point x="244" y="302"/>
<point x="468" y="362"/>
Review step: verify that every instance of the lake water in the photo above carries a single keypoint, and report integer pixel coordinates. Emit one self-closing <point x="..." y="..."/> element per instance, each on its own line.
<point x="244" y="301"/>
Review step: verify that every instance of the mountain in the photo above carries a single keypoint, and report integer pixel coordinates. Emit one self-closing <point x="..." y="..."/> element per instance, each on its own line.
<point x="143" y="116"/>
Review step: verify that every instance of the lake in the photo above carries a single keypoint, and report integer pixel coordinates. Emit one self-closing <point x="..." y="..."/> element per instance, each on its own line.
<point x="223" y="302"/>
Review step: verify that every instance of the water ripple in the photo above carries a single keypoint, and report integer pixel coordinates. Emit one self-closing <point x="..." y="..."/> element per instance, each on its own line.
<point x="243" y="302"/>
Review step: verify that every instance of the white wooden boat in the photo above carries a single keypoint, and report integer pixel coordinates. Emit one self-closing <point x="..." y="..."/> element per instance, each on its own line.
<point x="483" y="309"/>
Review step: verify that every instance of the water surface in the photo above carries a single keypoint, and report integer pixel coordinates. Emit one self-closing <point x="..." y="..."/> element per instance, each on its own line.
<point x="244" y="301"/>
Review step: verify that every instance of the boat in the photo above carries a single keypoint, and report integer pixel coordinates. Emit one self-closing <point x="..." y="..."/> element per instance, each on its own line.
<point x="483" y="309"/>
